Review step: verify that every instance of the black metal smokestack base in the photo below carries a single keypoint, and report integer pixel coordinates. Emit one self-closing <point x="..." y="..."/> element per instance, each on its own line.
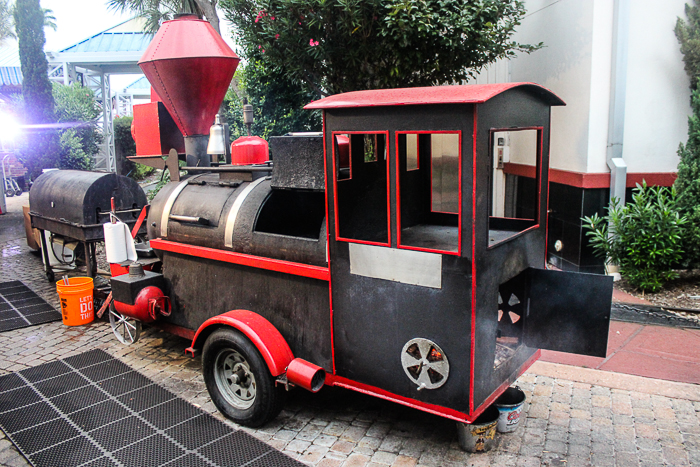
<point x="196" y="150"/>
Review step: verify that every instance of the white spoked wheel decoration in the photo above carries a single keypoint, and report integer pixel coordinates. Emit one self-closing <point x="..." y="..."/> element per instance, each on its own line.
<point x="127" y="330"/>
<point x="425" y="363"/>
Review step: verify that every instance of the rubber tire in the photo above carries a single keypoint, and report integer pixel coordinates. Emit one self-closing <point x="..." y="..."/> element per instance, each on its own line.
<point x="9" y="193"/>
<point x="269" y="399"/>
<point x="18" y="192"/>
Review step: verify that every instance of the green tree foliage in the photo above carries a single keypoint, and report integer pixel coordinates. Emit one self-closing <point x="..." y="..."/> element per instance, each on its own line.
<point x="688" y="182"/>
<point x="123" y="140"/>
<point x="36" y="88"/>
<point x="278" y="104"/>
<point x="73" y="155"/>
<point x="7" y="28"/>
<point x="75" y="103"/>
<point x="643" y="237"/>
<point x="338" y="46"/>
<point x="76" y="106"/>
<point x="688" y="34"/>
<point x="126" y="147"/>
<point x="7" y="25"/>
<point x="49" y="19"/>
<point x="41" y="148"/>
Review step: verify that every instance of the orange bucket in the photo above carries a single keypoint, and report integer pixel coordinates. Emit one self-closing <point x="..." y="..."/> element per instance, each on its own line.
<point x="76" y="301"/>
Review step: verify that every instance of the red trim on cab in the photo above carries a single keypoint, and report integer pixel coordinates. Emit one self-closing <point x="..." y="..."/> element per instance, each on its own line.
<point x="335" y="187"/>
<point x="174" y="329"/>
<point x="501" y="389"/>
<point x="328" y="235"/>
<point x="472" y="344"/>
<point x="456" y="94"/>
<point x="278" y="265"/>
<point x="266" y="338"/>
<point x="339" y="381"/>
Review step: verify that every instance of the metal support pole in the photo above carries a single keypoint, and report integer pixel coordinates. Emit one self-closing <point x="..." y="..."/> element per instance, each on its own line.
<point x="618" y="96"/>
<point x="45" y="253"/>
<point x="3" y="203"/>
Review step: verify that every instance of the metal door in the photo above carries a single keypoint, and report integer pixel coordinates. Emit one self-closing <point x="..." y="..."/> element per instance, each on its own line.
<point x="568" y="312"/>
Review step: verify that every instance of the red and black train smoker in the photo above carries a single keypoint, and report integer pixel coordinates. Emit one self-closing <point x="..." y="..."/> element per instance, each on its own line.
<point x="391" y="255"/>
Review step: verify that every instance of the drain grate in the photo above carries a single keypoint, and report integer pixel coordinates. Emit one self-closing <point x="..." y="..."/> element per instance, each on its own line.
<point x="21" y="307"/>
<point x="91" y="410"/>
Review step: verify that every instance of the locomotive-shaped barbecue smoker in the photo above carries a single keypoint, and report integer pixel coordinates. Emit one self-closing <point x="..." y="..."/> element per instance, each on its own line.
<point x="390" y="255"/>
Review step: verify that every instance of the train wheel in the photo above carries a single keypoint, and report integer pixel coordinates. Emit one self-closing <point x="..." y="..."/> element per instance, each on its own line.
<point x="238" y="379"/>
<point x="126" y="329"/>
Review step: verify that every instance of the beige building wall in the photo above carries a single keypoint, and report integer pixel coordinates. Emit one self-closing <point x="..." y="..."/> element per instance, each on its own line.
<point x="576" y="64"/>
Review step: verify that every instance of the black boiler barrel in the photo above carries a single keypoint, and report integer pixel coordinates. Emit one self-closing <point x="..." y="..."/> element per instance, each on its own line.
<point x="243" y="216"/>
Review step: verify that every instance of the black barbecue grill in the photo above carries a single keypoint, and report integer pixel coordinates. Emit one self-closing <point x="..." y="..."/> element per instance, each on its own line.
<point x="74" y="204"/>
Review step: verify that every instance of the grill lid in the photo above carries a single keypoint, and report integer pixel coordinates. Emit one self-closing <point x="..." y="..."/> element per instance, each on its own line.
<point x="75" y="196"/>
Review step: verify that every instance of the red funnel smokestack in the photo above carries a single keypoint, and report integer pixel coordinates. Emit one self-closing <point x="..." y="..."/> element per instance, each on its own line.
<point x="190" y="67"/>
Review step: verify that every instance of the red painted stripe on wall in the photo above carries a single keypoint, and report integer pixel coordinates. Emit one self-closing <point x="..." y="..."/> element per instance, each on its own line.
<point x="591" y="180"/>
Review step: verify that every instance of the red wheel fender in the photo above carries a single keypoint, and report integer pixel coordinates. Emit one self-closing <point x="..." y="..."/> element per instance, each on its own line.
<point x="268" y="340"/>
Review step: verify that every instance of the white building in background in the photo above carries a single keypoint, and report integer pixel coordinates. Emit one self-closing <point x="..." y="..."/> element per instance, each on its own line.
<point x="617" y="64"/>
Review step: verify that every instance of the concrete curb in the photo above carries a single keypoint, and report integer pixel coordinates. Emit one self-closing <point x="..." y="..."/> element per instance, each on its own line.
<point x="617" y="380"/>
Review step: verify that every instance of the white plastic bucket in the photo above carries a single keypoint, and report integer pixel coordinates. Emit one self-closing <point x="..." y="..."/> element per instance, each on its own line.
<point x="509" y="405"/>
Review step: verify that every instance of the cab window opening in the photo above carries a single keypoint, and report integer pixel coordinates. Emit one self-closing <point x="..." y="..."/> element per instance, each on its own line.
<point x="341" y="149"/>
<point x="429" y="190"/>
<point x="513" y="183"/>
<point x="362" y="211"/>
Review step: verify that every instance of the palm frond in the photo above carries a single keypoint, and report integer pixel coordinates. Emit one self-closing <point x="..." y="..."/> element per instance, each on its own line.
<point x="155" y="11"/>
<point x="49" y="19"/>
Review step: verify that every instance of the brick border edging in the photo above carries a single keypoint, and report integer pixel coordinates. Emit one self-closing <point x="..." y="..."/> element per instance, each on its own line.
<point x="621" y="381"/>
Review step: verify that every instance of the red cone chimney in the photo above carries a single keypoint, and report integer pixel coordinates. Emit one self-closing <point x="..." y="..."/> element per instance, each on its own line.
<point x="190" y="67"/>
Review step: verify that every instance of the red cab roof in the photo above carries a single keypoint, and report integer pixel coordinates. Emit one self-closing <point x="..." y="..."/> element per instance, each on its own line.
<point x="465" y="94"/>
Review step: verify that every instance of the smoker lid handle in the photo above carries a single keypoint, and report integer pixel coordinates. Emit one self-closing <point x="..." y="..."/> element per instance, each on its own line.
<point x="190" y="219"/>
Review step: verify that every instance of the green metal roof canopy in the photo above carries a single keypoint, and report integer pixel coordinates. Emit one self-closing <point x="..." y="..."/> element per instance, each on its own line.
<point x="114" y="51"/>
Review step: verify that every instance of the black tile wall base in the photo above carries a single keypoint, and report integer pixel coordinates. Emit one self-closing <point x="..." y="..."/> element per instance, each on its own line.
<point x="568" y="205"/>
<point x="91" y="410"/>
<point x="21" y="307"/>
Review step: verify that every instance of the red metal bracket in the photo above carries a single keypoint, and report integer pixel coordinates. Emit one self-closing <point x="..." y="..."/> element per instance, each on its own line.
<point x="104" y="306"/>
<point x="139" y="221"/>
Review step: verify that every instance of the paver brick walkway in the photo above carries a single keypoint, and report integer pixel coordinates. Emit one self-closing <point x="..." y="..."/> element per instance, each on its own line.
<point x="565" y="422"/>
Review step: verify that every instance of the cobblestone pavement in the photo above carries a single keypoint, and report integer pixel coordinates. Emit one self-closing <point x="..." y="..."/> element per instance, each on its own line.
<point x="565" y="423"/>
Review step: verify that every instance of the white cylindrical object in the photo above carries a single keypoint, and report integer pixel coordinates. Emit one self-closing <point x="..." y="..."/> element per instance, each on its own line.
<point x="115" y="242"/>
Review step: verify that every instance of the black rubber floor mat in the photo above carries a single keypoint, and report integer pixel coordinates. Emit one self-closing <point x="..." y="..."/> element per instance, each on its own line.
<point x="91" y="410"/>
<point x="21" y="307"/>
